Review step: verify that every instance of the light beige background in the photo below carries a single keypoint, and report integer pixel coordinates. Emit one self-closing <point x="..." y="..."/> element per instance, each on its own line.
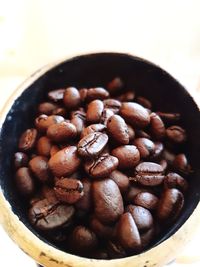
<point x="36" y="32"/>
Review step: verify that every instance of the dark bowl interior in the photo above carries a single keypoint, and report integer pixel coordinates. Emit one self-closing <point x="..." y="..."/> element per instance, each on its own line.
<point x="143" y="77"/>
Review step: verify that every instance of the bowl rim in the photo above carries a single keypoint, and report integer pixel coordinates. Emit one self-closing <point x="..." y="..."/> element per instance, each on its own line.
<point x="47" y="255"/>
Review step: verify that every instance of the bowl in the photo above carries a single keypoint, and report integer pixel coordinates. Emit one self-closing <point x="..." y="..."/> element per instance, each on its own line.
<point x="90" y="70"/>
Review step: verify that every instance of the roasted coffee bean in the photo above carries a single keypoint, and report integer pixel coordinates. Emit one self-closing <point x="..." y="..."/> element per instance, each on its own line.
<point x="174" y="180"/>
<point x="170" y="206"/>
<point x="134" y="190"/>
<point x="118" y="129"/>
<point x="164" y="164"/>
<point x="128" y="233"/>
<point x="44" y="146"/>
<point x="144" y="102"/>
<point x="47" y="108"/>
<point x="176" y="134"/>
<point x="146" y="200"/>
<point x="28" y="140"/>
<point x="54" y="150"/>
<point x="24" y="182"/>
<point x="106" y="114"/>
<point x="168" y="156"/>
<point x="94" y="111"/>
<point x="131" y="132"/>
<point x="145" y="146"/>
<point x="56" y="95"/>
<point x="39" y="167"/>
<point x="93" y="128"/>
<point x="48" y="193"/>
<point x="101" y="230"/>
<point x="71" y="98"/>
<point x="64" y="162"/>
<point x="97" y="93"/>
<point x="115" y="85"/>
<point x="180" y="163"/>
<point x="147" y="237"/>
<point x="128" y="156"/>
<point x="60" y="112"/>
<point x="135" y="114"/>
<point x="78" y="119"/>
<point x="92" y="144"/>
<point x="169" y="117"/>
<point x="115" y="250"/>
<point x="112" y="104"/>
<point x="46" y="215"/>
<point x="83" y="240"/>
<point x="157" y="127"/>
<point x="85" y="203"/>
<point x="20" y="160"/>
<point x="108" y="202"/>
<point x="158" y="150"/>
<point x="121" y="180"/>
<point x="102" y="166"/>
<point x="143" y="134"/>
<point x="83" y="94"/>
<point x="149" y="174"/>
<point x="43" y="122"/>
<point x="142" y="217"/>
<point x="69" y="190"/>
<point x="126" y="97"/>
<point x="60" y="132"/>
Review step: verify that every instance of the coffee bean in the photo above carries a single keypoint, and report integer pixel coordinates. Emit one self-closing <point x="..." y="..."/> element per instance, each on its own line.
<point x="54" y="150"/>
<point x="181" y="164"/>
<point x="108" y="202"/>
<point x="60" y="112"/>
<point x="24" y="182"/>
<point x="112" y="104"/>
<point x="158" y="150"/>
<point x="169" y="117"/>
<point x="101" y="230"/>
<point x="105" y="116"/>
<point x="92" y="144"/>
<point x="126" y="97"/>
<point x="164" y="164"/>
<point x="142" y="134"/>
<point x="78" y="120"/>
<point x="48" y="193"/>
<point x="85" y="203"/>
<point x="145" y="146"/>
<point x="102" y="166"/>
<point x="93" y="128"/>
<point x="20" y="160"/>
<point x="43" y="122"/>
<point x="128" y="233"/>
<point x="69" y="190"/>
<point x="115" y="250"/>
<point x="176" y="134"/>
<point x="121" y="180"/>
<point x="134" y="190"/>
<point x="144" y="102"/>
<point x="45" y="215"/>
<point x="94" y="111"/>
<point x="100" y="254"/>
<point x="170" y="206"/>
<point x="157" y="127"/>
<point x="135" y="114"/>
<point x="39" y="166"/>
<point x="147" y="237"/>
<point x="127" y="155"/>
<point x="168" y="156"/>
<point x="115" y="85"/>
<point x="27" y="140"/>
<point x="146" y="200"/>
<point x="131" y="132"/>
<point x="44" y="146"/>
<point x="174" y="180"/>
<point x="60" y="132"/>
<point x="71" y="98"/>
<point x="56" y="95"/>
<point x="142" y="217"/>
<point x="118" y="129"/>
<point x="47" y="108"/>
<point x="97" y="93"/>
<point x="83" y="94"/>
<point x="64" y="162"/>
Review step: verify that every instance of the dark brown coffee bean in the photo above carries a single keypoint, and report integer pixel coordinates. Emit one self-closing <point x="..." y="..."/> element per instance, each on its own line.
<point x="108" y="202"/>
<point x="71" y="98"/>
<point x="164" y="164"/>
<point x="149" y="174"/>
<point x="134" y="190"/>
<point x="78" y="118"/>
<point x="131" y="132"/>
<point x="65" y="162"/>
<point x="83" y="94"/>
<point x="43" y="122"/>
<point x="176" y="134"/>
<point x="39" y="167"/>
<point x="101" y="230"/>
<point x="44" y="146"/>
<point x="20" y="160"/>
<point x="56" y="95"/>
<point x="102" y="166"/>
<point x="169" y="117"/>
<point x="27" y="140"/>
<point x="54" y="150"/>
<point x="85" y="203"/>
<point x="170" y="206"/>
<point x="145" y="146"/>
<point x="147" y="237"/>
<point x="128" y="156"/>
<point x="94" y="111"/>
<point x="60" y="112"/>
<point x="146" y="200"/>
<point x="181" y="164"/>
<point x="142" y="134"/>
<point x="112" y="104"/>
<point x="135" y="114"/>
<point x="47" y="108"/>
<point x="24" y="182"/>
<point x="48" y="193"/>
<point x="46" y="215"/>
<point x="174" y="180"/>
<point x="93" y="128"/>
<point x="60" y="132"/>
<point x="115" y="250"/>
<point x="97" y="93"/>
<point x="142" y="217"/>
<point x="121" y="180"/>
<point x="128" y="233"/>
<point x="157" y="127"/>
<point x="69" y="190"/>
<point x="118" y="129"/>
<point x="106" y="114"/>
<point x="115" y="85"/>
<point x="126" y="97"/>
<point x="168" y="156"/>
<point x="158" y="150"/>
<point x="144" y="102"/>
<point x="92" y="144"/>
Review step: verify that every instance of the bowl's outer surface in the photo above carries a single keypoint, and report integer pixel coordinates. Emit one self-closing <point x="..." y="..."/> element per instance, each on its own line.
<point x="145" y="79"/>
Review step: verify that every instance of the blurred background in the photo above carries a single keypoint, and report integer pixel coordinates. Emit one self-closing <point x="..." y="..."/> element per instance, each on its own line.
<point x="34" y="33"/>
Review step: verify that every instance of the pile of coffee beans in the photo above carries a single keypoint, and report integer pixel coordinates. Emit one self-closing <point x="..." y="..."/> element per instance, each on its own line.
<point x="103" y="175"/>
